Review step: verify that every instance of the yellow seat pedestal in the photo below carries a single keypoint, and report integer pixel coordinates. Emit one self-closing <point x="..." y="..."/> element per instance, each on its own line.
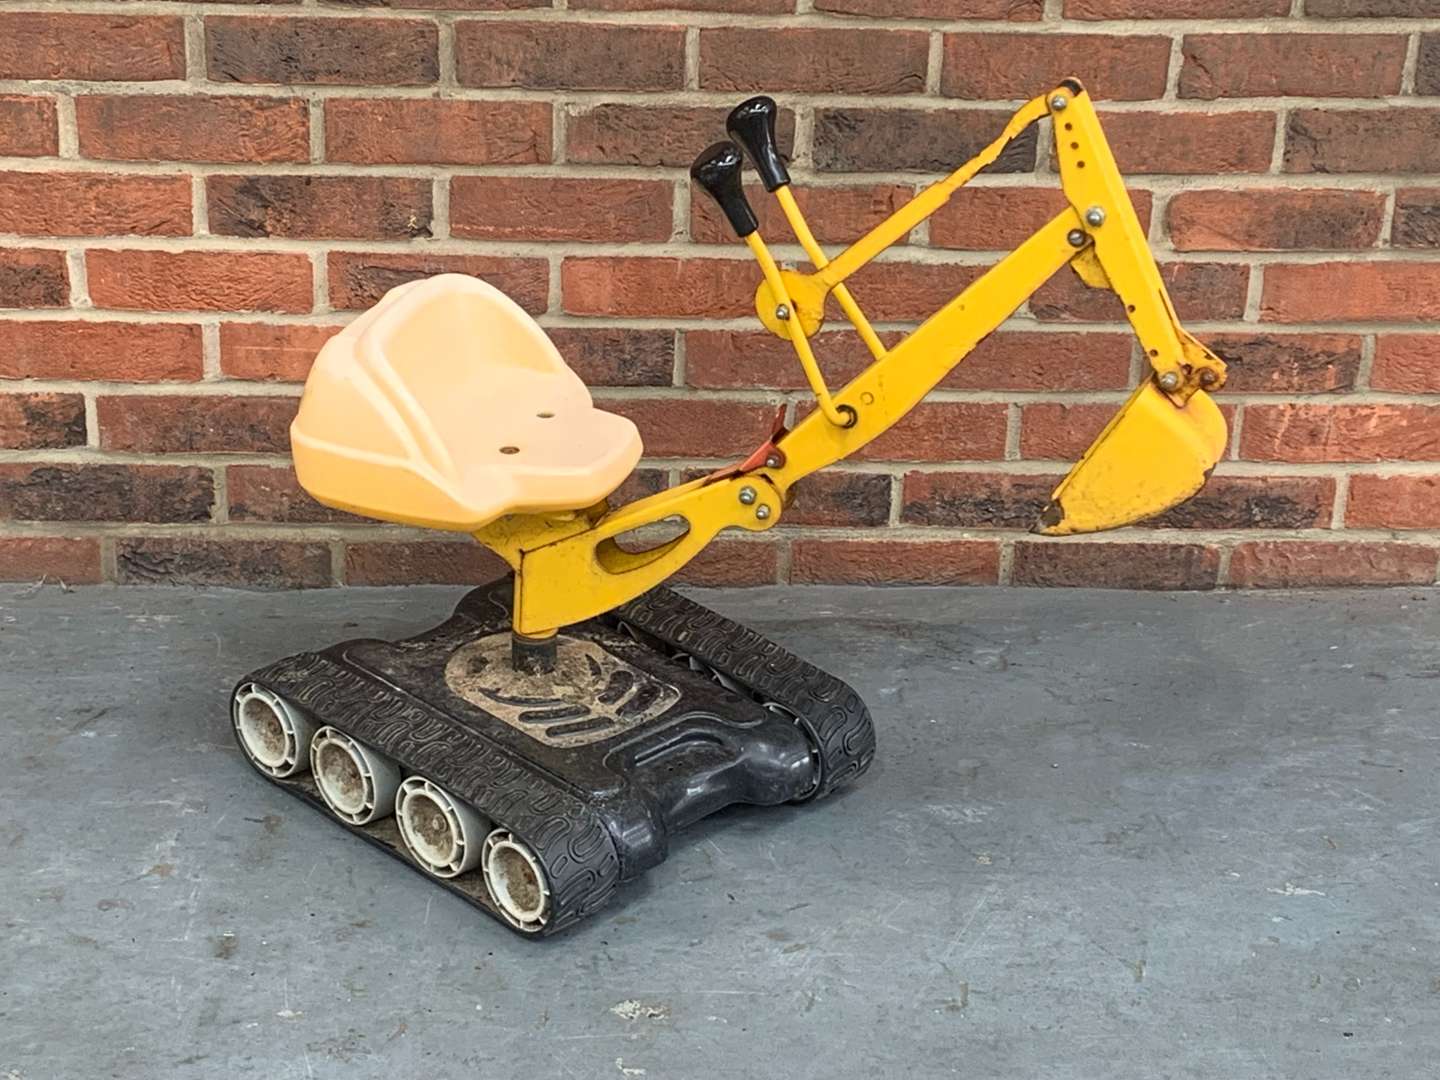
<point x="447" y="406"/>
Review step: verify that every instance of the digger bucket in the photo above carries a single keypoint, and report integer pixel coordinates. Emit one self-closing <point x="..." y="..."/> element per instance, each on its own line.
<point x="1151" y="456"/>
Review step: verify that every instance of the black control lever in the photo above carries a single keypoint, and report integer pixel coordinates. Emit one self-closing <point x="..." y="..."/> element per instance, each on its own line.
<point x="752" y="125"/>
<point x="717" y="170"/>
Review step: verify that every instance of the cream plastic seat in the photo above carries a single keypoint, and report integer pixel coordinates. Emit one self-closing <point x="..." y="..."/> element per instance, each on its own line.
<point x="446" y="405"/>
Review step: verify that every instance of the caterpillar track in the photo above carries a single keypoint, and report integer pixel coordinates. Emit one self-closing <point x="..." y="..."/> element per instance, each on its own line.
<point x="534" y="797"/>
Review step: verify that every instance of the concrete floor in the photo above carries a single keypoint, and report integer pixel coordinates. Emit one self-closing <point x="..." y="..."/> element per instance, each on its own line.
<point x="1107" y="835"/>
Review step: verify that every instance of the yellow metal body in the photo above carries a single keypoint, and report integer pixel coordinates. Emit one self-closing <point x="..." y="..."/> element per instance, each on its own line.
<point x="569" y="565"/>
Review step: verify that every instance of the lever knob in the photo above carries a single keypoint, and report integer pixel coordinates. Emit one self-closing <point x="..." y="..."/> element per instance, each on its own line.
<point x="717" y="170"/>
<point x="752" y="125"/>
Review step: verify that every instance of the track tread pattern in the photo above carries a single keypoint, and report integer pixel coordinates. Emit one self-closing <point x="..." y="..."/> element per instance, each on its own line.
<point x="833" y="714"/>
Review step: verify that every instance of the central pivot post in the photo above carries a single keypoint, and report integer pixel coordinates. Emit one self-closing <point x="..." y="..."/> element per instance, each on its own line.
<point x="533" y="655"/>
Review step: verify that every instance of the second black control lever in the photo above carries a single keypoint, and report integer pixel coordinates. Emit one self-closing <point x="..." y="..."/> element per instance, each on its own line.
<point x="717" y="170"/>
<point x="752" y="125"/>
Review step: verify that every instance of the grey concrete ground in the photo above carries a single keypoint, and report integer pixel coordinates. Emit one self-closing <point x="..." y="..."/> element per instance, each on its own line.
<point x="1108" y="835"/>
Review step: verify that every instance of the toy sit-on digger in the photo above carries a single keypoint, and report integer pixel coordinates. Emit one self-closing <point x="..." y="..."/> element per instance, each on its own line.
<point x="539" y="747"/>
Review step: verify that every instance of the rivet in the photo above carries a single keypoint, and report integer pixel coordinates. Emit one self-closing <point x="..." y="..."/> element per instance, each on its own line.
<point x="782" y="312"/>
<point x="1169" y="381"/>
<point x="772" y="462"/>
<point x="1058" y="102"/>
<point x="1095" y="217"/>
<point x="762" y="511"/>
<point x="747" y="495"/>
<point x="1207" y="377"/>
<point x="1076" y="237"/>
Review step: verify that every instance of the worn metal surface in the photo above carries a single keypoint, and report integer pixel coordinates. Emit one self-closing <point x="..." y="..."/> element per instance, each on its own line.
<point x="1107" y="834"/>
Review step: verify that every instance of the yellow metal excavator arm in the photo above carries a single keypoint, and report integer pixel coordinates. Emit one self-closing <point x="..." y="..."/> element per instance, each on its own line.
<point x="1155" y="453"/>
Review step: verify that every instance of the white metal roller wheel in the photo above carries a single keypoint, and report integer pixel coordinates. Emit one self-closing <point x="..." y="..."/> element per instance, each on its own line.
<point x="444" y="836"/>
<point x="516" y="881"/>
<point x="356" y="782"/>
<point x="273" y="733"/>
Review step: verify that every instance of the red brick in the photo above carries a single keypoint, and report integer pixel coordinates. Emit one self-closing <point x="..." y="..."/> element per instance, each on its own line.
<point x="613" y="356"/>
<point x="1198" y="291"/>
<point x="1013" y="360"/>
<point x="1351" y="292"/>
<point x="1230" y="142"/>
<point x="973" y="500"/>
<point x="638" y="485"/>
<point x="324" y="207"/>
<point x="40" y="558"/>
<point x="538" y="208"/>
<point x="421" y="562"/>
<point x="183" y="560"/>
<point x="1386" y="432"/>
<point x="1275" y="220"/>
<point x="813" y="60"/>
<point x="895" y="562"/>
<point x="1287" y="564"/>
<point x="93" y="204"/>
<point x="1002" y="66"/>
<point x="192" y="424"/>
<point x="1427" y="65"/>
<point x="1409" y="363"/>
<point x="292" y="50"/>
<point x="1287" y="363"/>
<point x="1002" y="218"/>
<point x="1298" y="65"/>
<point x="659" y="286"/>
<point x="1176" y="9"/>
<point x="1417" y="218"/>
<point x="41" y="421"/>
<point x="836" y="215"/>
<point x="28" y="126"/>
<point x="1050" y="431"/>
<point x="1393" y="502"/>
<point x="154" y="127"/>
<point x="570" y="55"/>
<point x="33" y="279"/>
<point x="743" y="7"/>
<point x="100" y="48"/>
<point x="1011" y="10"/>
<point x="840" y="498"/>
<point x="943" y="431"/>
<point x="733" y="562"/>
<point x="915" y="140"/>
<point x="652" y="135"/>
<point x="695" y="427"/>
<point x="199" y="280"/>
<point x="283" y="353"/>
<point x="907" y="291"/>
<point x="1254" y="502"/>
<point x="1372" y="9"/>
<point x="1115" y="565"/>
<point x="358" y="280"/>
<point x="70" y="492"/>
<point x="433" y="132"/>
<point x="271" y="493"/>
<point x="758" y="359"/>
<point x="129" y="352"/>
<point x="1393" y="140"/>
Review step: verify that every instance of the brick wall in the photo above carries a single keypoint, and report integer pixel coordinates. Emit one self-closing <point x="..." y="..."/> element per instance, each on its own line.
<point x="194" y="196"/>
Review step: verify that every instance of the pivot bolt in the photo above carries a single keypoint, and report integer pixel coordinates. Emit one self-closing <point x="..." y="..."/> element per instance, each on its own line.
<point x="1169" y="381"/>
<point x="747" y="495"/>
<point x="762" y="511"/>
<point x="1095" y="217"/>
<point x="782" y="312"/>
<point x="1058" y="102"/>
<point x="1207" y="377"/>
<point x="772" y="462"/>
<point x="1076" y="237"/>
